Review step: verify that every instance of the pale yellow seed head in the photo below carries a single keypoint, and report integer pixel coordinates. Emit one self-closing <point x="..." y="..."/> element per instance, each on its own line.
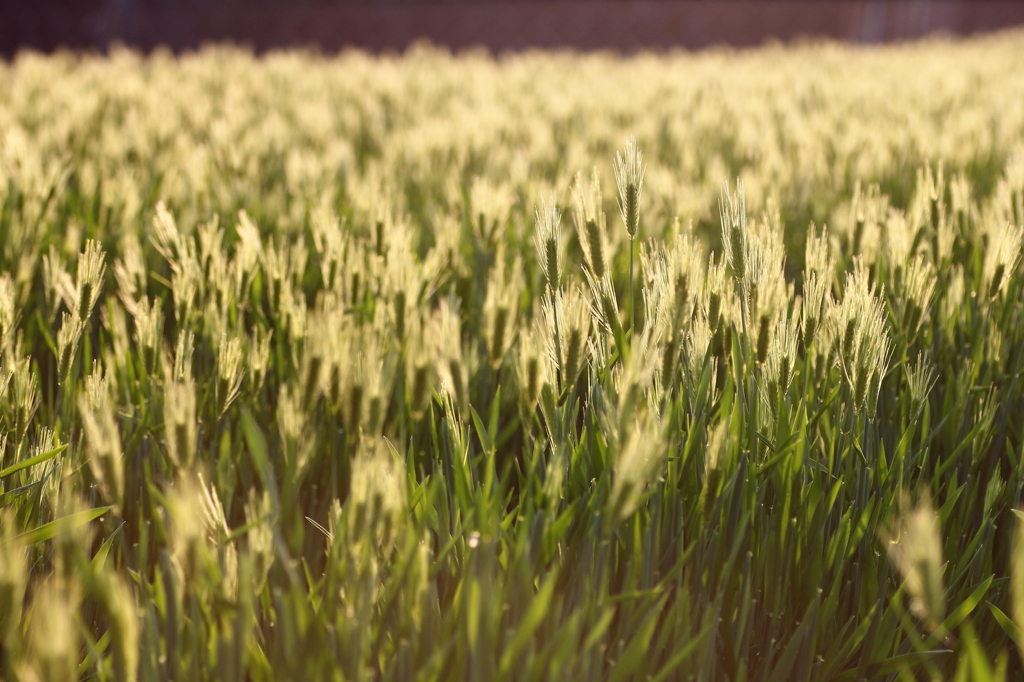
<point x="733" y="212"/>
<point x="782" y="359"/>
<point x="24" y="398"/>
<point x="229" y="371"/>
<point x="914" y="544"/>
<point x="180" y="422"/>
<point x="591" y="230"/>
<point x="717" y="448"/>
<point x="122" y="613"/>
<point x="490" y="206"/>
<point x="67" y="345"/>
<point x="184" y="350"/>
<point x="637" y="465"/>
<point x="695" y="350"/>
<point x="260" y="536"/>
<point x="53" y="639"/>
<point x="104" y="450"/>
<point x="186" y="284"/>
<point x="921" y="378"/>
<point x="918" y="290"/>
<point x="376" y="505"/>
<point x="58" y="287"/>
<point x="292" y="421"/>
<point x="258" y="362"/>
<point x="818" y="255"/>
<point x="629" y="178"/>
<point x="899" y="238"/>
<point x="860" y="333"/>
<point x="249" y="250"/>
<point x="97" y="386"/>
<point x="817" y="299"/>
<point x="605" y="302"/>
<point x="8" y="312"/>
<point x="501" y="305"/>
<point x="130" y="270"/>
<point x="446" y="337"/>
<point x="961" y="193"/>
<point x="13" y="573"/>
<point x="166" y="237"/>
<point x="149" y="330"/>
<point x="1017" y="575"/>
<point x="91" y="269"/>
<point x="533" y="364"/>
<point x="1001" y="258"/>
<point x="189" y="538"/>
<point x="549" y="241"/>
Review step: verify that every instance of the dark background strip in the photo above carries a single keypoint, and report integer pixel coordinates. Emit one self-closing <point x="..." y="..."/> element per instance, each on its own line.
<point x="502" y="25"/>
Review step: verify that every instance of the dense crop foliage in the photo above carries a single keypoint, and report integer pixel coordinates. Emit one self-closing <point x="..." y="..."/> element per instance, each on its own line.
<point x="421" y="367"/>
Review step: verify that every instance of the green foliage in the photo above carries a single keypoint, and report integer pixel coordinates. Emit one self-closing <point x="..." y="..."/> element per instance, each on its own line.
<point x="304" y="376"/>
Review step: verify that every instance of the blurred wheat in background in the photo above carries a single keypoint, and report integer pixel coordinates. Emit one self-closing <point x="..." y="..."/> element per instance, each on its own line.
<point x="554" y="366"/>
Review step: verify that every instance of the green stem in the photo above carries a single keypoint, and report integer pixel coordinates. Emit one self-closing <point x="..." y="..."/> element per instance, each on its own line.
<point x="632" y="314"/>
<point x="747" y="361"/>
<point x="558" y="341"/>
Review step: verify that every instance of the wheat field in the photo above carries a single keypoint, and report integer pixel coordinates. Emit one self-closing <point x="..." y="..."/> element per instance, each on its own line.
<point x="688" y="366"/>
